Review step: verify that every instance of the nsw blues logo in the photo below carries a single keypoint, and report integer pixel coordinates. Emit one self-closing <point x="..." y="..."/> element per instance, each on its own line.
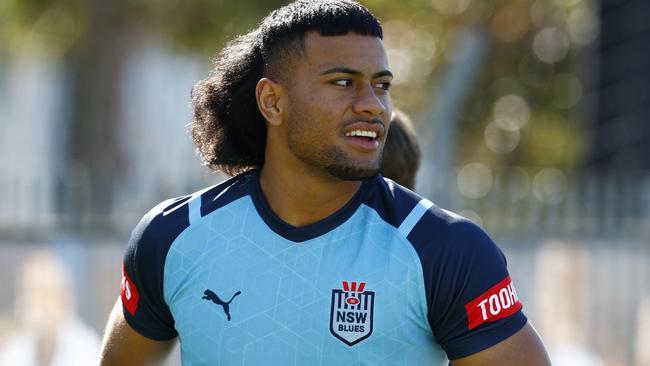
<point x="352" y="311"/>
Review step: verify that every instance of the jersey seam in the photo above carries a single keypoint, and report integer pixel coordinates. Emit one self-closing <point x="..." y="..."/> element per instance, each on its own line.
<point x="418" y="265"/>
<point x="174" y="242"/>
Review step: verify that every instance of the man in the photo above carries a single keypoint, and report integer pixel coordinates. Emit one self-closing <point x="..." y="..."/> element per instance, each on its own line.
<point x="402" y="154"/>
<point x="308" y="257"/>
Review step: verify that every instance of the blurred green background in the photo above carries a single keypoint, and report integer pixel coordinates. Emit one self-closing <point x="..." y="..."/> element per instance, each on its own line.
<point x="532" y="116"/>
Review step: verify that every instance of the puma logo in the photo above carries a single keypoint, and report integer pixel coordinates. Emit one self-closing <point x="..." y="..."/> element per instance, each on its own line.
<point x="209" y="295"/>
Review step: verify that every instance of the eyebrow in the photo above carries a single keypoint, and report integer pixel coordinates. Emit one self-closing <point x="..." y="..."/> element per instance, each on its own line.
<point x="346" y="70"/>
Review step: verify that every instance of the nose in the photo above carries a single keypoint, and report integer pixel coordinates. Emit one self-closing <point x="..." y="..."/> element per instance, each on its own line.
<point x="371" y="104"/>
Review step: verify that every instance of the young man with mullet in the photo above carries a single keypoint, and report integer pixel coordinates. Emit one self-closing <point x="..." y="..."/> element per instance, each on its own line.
<point x="307" y="256"/>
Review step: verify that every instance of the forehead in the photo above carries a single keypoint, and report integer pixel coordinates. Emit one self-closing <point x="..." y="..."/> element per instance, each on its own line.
<point x="363" y="53"/>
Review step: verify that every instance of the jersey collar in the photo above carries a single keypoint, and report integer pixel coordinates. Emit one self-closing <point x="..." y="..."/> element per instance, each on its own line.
<point x="307" y="232"/>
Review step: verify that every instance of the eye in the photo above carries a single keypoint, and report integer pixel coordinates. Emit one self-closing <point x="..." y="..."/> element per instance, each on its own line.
<point x="383" y="85"/>
<point x="342" y="82"/>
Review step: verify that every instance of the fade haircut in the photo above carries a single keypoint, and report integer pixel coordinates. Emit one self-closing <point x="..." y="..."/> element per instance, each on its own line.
<point x="402" y="153"/>
<point x="227" y="127"/>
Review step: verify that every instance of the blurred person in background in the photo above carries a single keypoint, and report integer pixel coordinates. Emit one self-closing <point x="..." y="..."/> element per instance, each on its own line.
<point x="47" y="329"/>
<point x="402" y="154"/>
<point x="307" y="256"/>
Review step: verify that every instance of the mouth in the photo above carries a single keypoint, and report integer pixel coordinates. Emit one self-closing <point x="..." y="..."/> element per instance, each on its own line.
<point x="369" y="135"/>
<point x="363" y="139"/>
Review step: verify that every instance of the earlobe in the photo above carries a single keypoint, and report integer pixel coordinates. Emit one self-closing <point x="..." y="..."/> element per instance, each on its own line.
<point x="269" y="94"/>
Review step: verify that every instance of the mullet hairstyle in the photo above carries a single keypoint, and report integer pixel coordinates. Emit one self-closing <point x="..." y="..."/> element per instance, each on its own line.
<point x="227" y="127"/>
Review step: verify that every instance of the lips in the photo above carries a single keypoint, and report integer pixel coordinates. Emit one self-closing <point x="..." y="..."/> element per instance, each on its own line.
<point x="364" y="135"/>
<point x="363" y="143"/>
<point x="365" y="128"/>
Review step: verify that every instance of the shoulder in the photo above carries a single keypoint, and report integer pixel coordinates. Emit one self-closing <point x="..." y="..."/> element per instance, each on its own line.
<point x="452" y="231"/>
<point x="392" y="202"/>
<point x="444" y="238"/>
<point x="146" y="254"/>
<point x="163" y="222"/>
<point x="400" y="206"/>
<point x="166" y="221"/>
<point x="430" y="229"/>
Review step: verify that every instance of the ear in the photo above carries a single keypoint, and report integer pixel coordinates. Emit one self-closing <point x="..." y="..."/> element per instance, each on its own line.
<point x="270" y="100"/>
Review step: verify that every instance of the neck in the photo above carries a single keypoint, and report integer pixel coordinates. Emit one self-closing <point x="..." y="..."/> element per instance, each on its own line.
<point x="301" y="198"/>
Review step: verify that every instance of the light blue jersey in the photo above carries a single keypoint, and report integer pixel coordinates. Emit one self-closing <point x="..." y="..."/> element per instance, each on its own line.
<point x="389" y="279"/>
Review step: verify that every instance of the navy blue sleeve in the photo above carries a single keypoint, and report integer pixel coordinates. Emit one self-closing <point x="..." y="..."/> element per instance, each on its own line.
<point x="472" y="302"/>
<point x="143" y="304"/>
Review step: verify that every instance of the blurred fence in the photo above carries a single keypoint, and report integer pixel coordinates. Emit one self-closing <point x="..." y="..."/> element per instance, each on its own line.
<point x="579" y="206"/>
<point x="551" y="203"/>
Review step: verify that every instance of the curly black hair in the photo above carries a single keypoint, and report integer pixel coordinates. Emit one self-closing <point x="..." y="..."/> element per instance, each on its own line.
<point x="227" y="127"/>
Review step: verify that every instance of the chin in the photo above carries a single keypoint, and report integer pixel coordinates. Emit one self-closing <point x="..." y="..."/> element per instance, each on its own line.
<point x="347" y="172"/>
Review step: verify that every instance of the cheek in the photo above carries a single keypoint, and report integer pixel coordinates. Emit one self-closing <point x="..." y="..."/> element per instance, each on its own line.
<point x="323" y="108"/>
<point x="387" y="102"/>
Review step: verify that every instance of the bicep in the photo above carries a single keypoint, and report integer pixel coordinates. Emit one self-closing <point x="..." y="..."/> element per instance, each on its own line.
<point x="522" y="348"/>
<point x="124" y="346"/>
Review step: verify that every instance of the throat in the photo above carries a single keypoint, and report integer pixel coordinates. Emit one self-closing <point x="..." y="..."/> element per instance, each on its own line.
<point x="304" y="201"/>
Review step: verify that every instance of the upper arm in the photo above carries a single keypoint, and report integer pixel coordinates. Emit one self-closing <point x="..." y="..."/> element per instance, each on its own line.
<point x="523" y="348"/>
<point x="141" y="327"/>
<point x="124" y="346"/>
<point x="473" y="304"/>
<point x="143" y="271"/>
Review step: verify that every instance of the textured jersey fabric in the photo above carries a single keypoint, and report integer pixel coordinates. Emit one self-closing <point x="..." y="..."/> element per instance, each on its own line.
<point x="388" y="279"/>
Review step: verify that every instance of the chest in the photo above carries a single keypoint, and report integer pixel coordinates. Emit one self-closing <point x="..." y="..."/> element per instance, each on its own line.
<point x="254" y="298"/>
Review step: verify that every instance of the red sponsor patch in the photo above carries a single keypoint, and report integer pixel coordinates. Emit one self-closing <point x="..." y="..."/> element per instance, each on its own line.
<point x="498" y="302"/>
<point x="129" y="293"/>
